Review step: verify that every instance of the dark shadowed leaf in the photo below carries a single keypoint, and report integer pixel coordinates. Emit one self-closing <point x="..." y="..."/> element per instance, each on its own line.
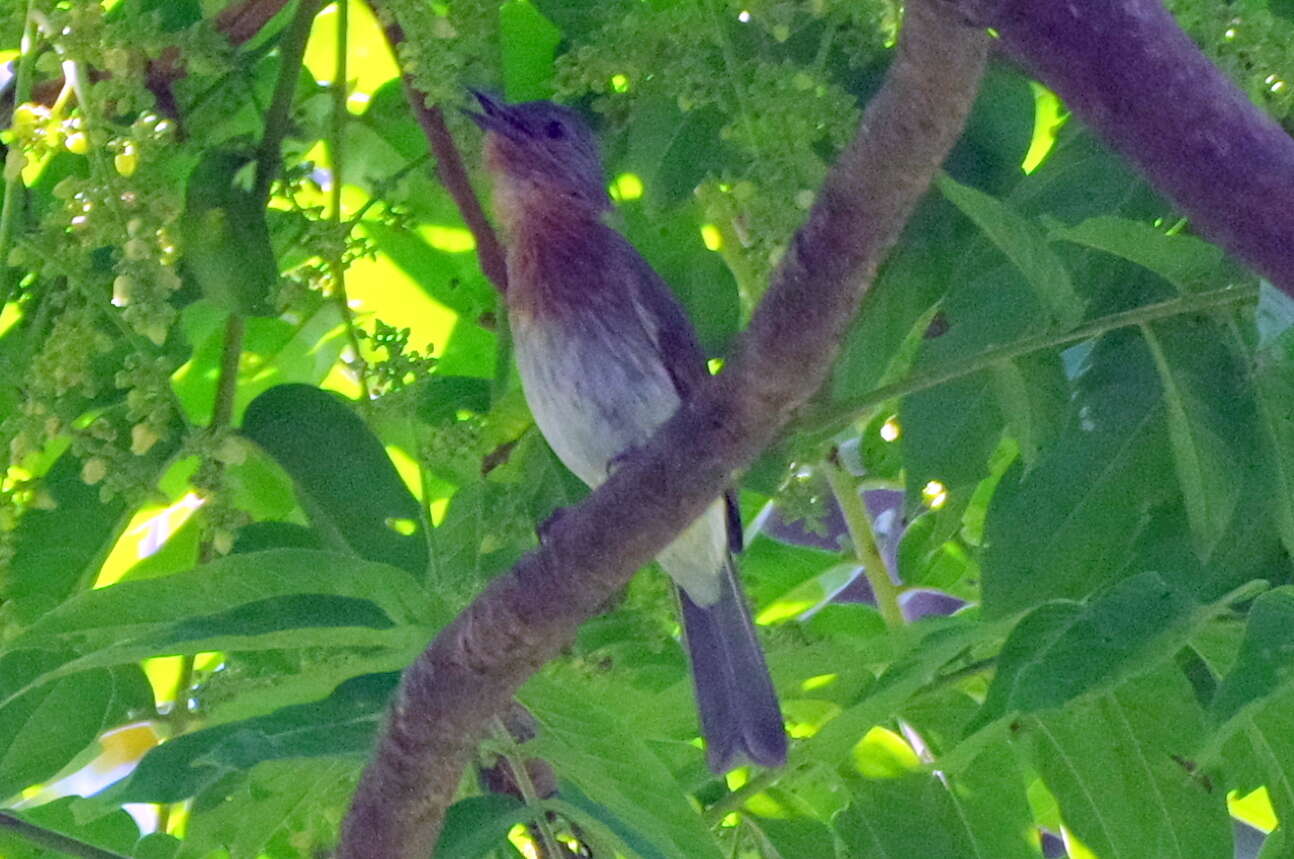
<point x="344" y="478"/>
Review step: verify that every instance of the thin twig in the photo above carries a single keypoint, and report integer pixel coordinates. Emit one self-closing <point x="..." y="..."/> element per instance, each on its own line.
<point x="826" y="420"/>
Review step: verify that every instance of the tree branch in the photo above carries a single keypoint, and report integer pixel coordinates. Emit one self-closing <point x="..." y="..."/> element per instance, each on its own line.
<point x="524" y="618"/>
<point x="449" y="165"/>
<point x="1128" y="70"/>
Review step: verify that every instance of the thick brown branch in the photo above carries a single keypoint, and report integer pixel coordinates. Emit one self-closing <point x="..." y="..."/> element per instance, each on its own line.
<point x="524" y="618"/>
<point x="450" y="169"/>
<point x="1129" y="71"/>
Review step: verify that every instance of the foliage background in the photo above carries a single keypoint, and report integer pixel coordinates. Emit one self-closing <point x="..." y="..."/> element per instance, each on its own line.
<point x="1062" y="410"/>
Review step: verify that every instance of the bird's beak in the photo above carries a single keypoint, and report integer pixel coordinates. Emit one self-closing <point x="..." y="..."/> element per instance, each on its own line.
<point x="497" y="116"/>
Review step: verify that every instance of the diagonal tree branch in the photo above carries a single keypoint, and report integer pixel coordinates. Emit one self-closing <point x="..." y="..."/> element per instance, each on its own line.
<point x="524" y="618"/>
<point x="449" y="165"/>
<point x="1128" y="70"/>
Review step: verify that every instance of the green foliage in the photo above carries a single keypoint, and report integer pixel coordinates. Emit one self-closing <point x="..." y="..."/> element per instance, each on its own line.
<point x="279" y="448"/>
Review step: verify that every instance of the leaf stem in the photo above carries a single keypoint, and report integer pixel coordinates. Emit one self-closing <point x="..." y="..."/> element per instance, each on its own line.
<point x="52" y="840"/>
<point x="825" y="420"/>
<point x="730" y="802"/>
<point x="13" y="186"/>
<point x="336" y="150"/>
<point x="278" y="119"/>
<point x="861" y="533"/>
<point x="517" y="764"/>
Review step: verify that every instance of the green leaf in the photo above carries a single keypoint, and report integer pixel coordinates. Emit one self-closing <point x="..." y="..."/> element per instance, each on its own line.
<point x="226" y="239"/>
<point x="43" y="728"/>
<point x="1207" y="424"/>
<point x="1188" y="263"/>
<point x="921" y="650"/>
<point x="590" y="746"/>
<point x="1064" y="529"/>
<point x="478" y="824"/>
<point x="343" y="724"/>
<point x="1063" y="650"/>
<point x="116" y="831"/>
<point x="274" y="352"/>
<point x="242" y="602"/>
<point x="1116" y="765"/>
<point x="343" y="476"/>
<point x="277" y="800"/>
<point x="1274" y="384"/>
<point x="792" y="838"/>
<point x="528" y="42"/>
<point x="672" y="151"/>
<point x="698" y="277"/>
<point x="916" y="815"/>
<point x="59" y="550"/>
<point x="1023" y="244"/>
<point x="1263" y="668"/>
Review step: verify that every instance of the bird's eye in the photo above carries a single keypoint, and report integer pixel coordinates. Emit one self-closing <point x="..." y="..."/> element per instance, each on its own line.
<point x="554" y="130"/>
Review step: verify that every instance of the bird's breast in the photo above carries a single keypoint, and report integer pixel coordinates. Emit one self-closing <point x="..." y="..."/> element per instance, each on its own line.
<point x="594" y="382"/>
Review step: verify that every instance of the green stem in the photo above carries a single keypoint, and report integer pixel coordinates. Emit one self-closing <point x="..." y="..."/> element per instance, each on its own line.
<point x="730" y="802"/>
<point x="336" y="141"/>
<point x="517" y="764"/>
<point x="823" y="422"/>
<point x="502" y="351"/>
<point x="222" y="411"/>
<point x="13" y="187"/>
<point x="47" y="838"/>
<point x="278" y="119"/>
<point x="845" y="487"/>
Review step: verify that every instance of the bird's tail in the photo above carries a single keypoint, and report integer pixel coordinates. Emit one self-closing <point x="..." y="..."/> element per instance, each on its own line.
<point x="740" y="716"/>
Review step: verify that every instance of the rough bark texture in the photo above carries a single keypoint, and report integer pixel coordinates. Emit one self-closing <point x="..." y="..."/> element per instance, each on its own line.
<point x="1128" y="70"/>
<point x="524" y="618"/>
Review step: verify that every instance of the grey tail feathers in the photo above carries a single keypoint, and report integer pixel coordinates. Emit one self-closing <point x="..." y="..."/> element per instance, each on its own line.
<point x="740" y="716"/>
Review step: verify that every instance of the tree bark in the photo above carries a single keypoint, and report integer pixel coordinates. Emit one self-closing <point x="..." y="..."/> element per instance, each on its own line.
<point x="1126" y="69"/>
<point x="524" y="618"/>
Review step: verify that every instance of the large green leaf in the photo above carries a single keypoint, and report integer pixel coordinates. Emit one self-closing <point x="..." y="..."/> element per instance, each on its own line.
<point x="1063" y="650"/>
<point x="1274" y="385"/>
<point x="277" y="803"/>
<point x="226" y="239"/>
<point x="277" y="598"/>
<point x="1186" y="262"/>
<point x="1117" y="767"/>
<point x="1263" y="667"/>
<point x="58" y="550"/>
<point x="931" y="816"/>
<point x="45" y="727"/>
<point x="477" y="824"/>
<point x="343" y="724"/>
<point x="588" y="745"/>
<point x="1210" y="424"/>
<point x="275" y="352"/>
<point x="1064" y="528"/>
<point x="1024" y="244"/>
<point x="343" y="476"/>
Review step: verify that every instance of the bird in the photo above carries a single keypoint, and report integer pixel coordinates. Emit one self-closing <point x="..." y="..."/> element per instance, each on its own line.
<point x="606" y="355"/>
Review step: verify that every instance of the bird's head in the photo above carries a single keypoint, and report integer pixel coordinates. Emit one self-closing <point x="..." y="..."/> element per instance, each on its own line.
<point x="541" y="153"/>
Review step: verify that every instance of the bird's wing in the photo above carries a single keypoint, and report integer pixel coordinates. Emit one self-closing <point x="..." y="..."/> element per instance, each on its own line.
<point x="671" y="332"/>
